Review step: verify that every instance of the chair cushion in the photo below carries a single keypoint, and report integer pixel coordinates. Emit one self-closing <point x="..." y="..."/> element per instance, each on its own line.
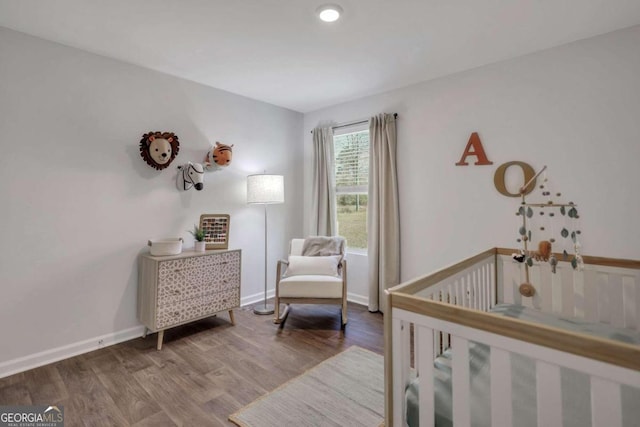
<point x="310" y="286"/>
<point x="312" y="265"/>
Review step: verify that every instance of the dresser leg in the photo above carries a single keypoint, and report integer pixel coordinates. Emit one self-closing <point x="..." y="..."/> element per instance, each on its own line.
<point x="160" y="337"/>
<point x="144" y="334"/>
<point x="233" y="320"/>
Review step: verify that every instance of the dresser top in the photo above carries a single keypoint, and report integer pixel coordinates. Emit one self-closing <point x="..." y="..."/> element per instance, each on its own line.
<point x="188" y="253"/>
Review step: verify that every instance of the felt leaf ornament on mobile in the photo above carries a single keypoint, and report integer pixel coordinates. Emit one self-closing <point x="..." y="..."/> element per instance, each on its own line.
<point x="159" y="149"/>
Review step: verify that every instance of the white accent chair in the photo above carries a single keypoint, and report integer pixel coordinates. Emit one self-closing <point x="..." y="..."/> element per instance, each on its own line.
<point x="323" y="288"/>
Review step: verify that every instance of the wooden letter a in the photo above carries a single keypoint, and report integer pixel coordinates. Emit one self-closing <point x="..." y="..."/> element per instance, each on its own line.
<point x="478" y="151"/>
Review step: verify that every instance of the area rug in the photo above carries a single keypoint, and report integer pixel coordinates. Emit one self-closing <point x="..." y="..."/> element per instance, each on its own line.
<point x="345" y="390"/>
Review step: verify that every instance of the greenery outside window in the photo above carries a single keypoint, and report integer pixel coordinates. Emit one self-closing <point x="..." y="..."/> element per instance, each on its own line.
<point x="351" y="150"/>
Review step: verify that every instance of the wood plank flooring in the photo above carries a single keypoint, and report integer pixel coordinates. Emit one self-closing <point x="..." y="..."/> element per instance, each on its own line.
<point x="205" y="371"/>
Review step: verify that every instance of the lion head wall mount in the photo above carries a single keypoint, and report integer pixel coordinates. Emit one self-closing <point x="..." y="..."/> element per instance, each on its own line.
<point x="159" y="149"/>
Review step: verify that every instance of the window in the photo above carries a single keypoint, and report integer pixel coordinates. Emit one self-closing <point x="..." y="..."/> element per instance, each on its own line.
<point x="351" y="150"/>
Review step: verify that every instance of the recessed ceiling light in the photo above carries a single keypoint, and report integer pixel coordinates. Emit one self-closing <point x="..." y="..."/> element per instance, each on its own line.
<point x="329" y="12"/>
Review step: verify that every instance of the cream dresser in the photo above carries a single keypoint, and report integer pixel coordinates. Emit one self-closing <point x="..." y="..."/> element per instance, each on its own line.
<point x="178" y="289"/>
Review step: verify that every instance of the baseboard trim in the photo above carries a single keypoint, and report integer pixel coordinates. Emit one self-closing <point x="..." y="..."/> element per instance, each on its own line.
<point x="358" y="299"/>
<point x="46" y="357"/>
<point x="252" y="299"/>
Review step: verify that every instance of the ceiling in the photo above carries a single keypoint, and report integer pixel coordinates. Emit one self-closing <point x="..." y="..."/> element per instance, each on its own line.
<point x="277" y="51"/>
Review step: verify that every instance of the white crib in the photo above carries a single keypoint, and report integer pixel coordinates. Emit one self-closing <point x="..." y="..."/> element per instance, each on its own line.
<point x="449" y="308"/>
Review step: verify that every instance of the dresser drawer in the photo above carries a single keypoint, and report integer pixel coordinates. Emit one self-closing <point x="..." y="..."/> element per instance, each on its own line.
<point x="193" y="277"/>
<point x="198" y="266"/>
<point x="181" y="311"/>
<point x="178" y="290"/>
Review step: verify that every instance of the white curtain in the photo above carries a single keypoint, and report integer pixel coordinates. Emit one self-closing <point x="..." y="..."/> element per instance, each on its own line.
<point x="383" y="220"/>
<point x="323" y="216"/>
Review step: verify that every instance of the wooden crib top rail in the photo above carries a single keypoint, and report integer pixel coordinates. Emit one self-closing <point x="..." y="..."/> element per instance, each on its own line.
<point x="413" y="296"/>
<point x="602" y="349"/>
<point x="423" y="282"/>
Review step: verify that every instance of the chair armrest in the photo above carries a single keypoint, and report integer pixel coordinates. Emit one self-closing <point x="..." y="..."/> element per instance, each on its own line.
<point x="279" y="270"/>
<point x="342" y="270"/>
<point x="342" y="266"/>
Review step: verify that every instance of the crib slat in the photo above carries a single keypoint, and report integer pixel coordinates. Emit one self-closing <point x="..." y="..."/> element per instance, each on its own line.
<point x="460" y="382"/>
<point x="493" y="282"/>
<point x="500" y="364"/>
<point x="425" y="367"/>
<point x="487" y="287"/>
<point x="472" y="292"/>
<point x="476" y="293"/>
<point x="548" y="395"/>
<point x="617" y="303"/>
<point x="511" y="279"/>
<point x="567" y="290"/>
<point x="629" y="301"/>
<point x="604" y="307"/>
<point x="606" y="406"/>
<point x="521" y="278"/>
<point x="400" y="356"/>
<point x="545" y="290"/>
<point x="479" y="287"/>
<point x="591" y="294"/>
<point x="556" y="290"/>
<point x="501" y="280"/>
<point x="579" y="303"/>
<point x="481" y="292"/>
<point x="486" y="291"/>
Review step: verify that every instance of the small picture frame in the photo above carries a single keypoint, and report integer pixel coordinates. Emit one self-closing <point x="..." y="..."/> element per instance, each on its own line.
<point x="216" y="230"/>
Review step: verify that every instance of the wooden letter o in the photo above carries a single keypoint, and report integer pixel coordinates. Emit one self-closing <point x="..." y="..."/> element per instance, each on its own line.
<point x="527" y="171"/>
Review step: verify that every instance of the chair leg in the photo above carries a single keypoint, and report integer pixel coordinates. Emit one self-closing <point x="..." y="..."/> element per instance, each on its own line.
<point x="283" y="316"/>
<point x="344" y="314"/>
<point x="276" y="309"/>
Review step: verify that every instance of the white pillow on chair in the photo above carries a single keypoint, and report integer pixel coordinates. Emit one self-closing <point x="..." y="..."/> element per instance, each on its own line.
<point x="313" y="265"/>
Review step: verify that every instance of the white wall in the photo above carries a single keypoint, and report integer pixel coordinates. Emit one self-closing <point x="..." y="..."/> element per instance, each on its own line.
<point x="575" y="108"/>
<point x="79" y="203"/>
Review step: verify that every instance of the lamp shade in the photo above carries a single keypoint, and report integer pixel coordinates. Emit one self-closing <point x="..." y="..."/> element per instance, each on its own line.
<point x="265" y="189"/>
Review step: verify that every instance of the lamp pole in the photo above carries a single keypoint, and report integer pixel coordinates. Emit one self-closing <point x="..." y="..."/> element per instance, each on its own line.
<point x="265" y="189"/>
<point x="265" y="309"/>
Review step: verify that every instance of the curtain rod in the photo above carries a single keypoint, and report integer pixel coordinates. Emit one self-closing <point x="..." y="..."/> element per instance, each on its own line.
<point x="359" y="122"/>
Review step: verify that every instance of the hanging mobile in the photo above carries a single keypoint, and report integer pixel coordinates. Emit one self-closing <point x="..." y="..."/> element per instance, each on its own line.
<point x="547" y="207"/>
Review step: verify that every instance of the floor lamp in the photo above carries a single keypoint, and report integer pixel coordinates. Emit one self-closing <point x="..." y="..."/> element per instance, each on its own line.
<point x="265" y="189"/>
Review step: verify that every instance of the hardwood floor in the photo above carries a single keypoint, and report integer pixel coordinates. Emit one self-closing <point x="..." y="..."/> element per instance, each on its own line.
<point x="205" y="371"/>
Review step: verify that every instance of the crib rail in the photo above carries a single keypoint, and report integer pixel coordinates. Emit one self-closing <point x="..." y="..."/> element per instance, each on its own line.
<point x="609" y="364"/>
<point x="607" y="290"/>
<point x="470" y="283"/>
<point x="448" y="309"/>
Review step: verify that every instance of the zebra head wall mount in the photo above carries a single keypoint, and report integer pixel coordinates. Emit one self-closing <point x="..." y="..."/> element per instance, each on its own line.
<point x="190" y="175"/>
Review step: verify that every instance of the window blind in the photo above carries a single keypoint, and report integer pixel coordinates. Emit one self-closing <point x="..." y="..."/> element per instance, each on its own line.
<point x="351" y="151"/>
